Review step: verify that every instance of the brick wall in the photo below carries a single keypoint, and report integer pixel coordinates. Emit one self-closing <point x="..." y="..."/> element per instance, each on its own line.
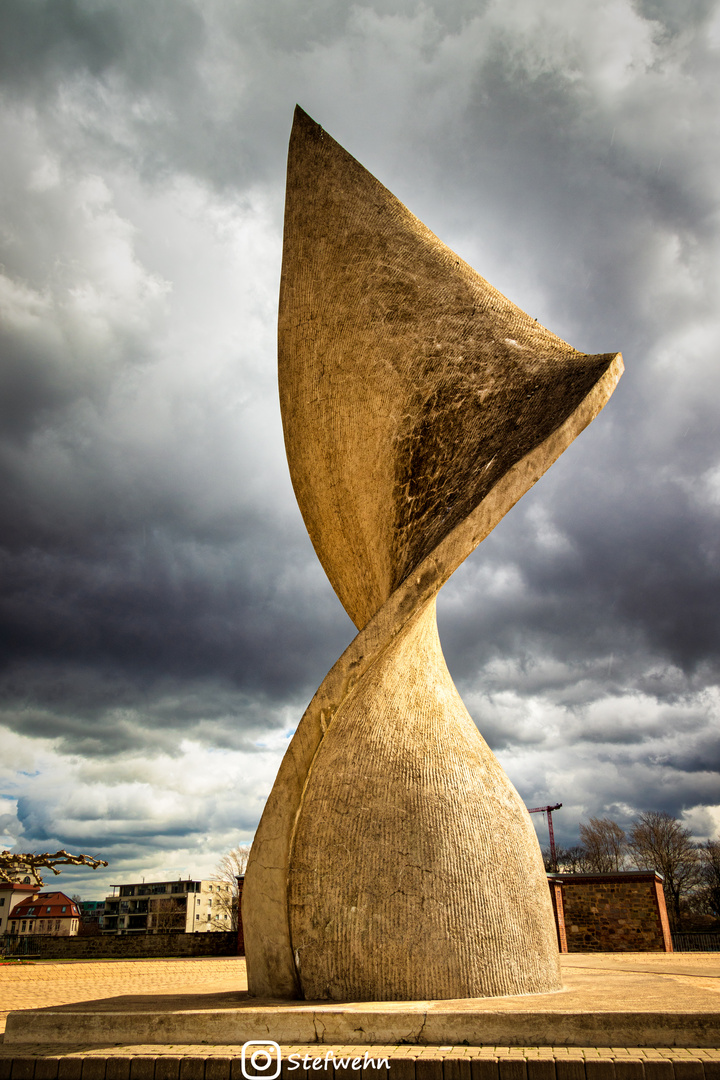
<point x="622" y="912"/>
<point x="218" y="943"/>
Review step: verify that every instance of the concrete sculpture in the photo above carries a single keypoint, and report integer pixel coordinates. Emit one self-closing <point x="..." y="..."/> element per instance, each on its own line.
<point x="394" y="859"/>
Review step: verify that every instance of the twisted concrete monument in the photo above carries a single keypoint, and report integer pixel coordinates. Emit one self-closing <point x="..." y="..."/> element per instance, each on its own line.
<point x="394" y="859"/>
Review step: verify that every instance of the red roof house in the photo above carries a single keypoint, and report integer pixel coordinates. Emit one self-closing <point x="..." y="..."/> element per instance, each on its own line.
<point x="46" y="913"/>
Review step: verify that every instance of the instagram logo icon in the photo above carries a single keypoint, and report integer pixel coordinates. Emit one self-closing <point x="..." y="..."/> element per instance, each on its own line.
<point x="260" y="1060"/>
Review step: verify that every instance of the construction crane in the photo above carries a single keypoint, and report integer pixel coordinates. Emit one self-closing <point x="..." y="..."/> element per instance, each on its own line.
<point x="548" y="810"/>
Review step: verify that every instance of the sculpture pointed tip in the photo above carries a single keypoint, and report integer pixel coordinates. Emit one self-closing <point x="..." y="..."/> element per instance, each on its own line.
<point x="302" y="117"/>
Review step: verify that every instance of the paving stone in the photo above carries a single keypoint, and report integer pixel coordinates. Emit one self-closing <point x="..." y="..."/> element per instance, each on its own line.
<point x="456" y="1068"/>
<point x="629" y="1069"/>
<point x="485" y="1068"/>
<point x="70" y="1068"/>
<point x="427" y="1068"/>
<point x="167" y="1067"/>
<point x="47" y="1068"/>
<point x="142" y="1068"/>
<point x="117" y="1068"/>
<point x="602" y="1068"/>
<point x="659" y="1069"/>
<point x="512" y="1068"/>
<point x="218" y="1068"/>
<point x="192" y="1068"/>
<point x="542" y="1069"/>
<point x="93" y="1069"/>
<point x="403" y="1068"/>
<point x="689" y="1069"/>
<point x="287" y="1072"/>
<point x="23" y="1068"/>
<point x="570" y="1068"/>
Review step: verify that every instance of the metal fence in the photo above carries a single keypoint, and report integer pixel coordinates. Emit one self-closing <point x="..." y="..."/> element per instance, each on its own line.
<point x="697" y="941"/>
<point x="19" y="945"/>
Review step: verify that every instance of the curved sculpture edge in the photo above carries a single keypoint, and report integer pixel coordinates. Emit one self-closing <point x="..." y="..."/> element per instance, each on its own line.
<point x="271" y="965"/>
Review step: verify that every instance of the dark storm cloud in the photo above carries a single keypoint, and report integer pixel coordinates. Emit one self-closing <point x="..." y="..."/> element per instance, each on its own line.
<point x="45" y="42"/>
<point x="42" y="40"/>
<point x="140" y="74"/>
<point x="165" y="610"/>
<point x="86" y="639"/>
<point x="642" y="578"/>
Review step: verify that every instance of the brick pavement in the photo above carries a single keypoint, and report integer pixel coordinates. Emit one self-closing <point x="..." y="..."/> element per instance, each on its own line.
<point x="385" y="1063"/>
<point x="41" y="984"/>
<point x="33" y="986"/>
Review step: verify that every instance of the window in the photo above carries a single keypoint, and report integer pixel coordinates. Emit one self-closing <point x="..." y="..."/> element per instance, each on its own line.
<point x="64" y="910"/>
<point x="209" y="888"/>
<point x="31" y="911"/>
<point x="47" y="910"/>
<point x="2" y="901"/>
<point x="57" y="924"/>
<point x="197" y="917"/>
<point x="24" y="926"/>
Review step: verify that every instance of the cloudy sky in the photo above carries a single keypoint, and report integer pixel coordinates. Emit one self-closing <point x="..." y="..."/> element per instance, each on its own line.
<point x="164" y="618"/>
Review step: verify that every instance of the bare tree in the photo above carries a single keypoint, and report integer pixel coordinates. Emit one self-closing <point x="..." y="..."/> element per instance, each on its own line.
<point x="15" y="868"/>
<point x="605" y="845"/>
<point x="571" y="860"/>
<point x="89" y="927"/>
<point x="709" y="891"/>
<point x="167" y="914"/>
<point x="228" y="870"/>
<point x="658" y="841"/>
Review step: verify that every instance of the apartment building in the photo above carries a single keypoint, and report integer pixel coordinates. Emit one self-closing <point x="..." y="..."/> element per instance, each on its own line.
<point x="91" y="914"/>
<point x="159" y="907"/>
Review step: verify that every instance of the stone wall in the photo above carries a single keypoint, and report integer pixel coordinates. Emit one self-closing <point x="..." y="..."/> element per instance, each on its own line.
<point x="130" y="946"/>
<point x="622" y="912"/>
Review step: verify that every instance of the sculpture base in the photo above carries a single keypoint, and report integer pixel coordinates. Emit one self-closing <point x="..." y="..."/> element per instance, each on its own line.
<point x="626" y="1000"/>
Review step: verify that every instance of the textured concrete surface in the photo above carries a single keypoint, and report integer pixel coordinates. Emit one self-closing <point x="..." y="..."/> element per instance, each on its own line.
<point x="673" y="1001"/>
<point x="394" y="859"/>
<point x="39" y="985"/>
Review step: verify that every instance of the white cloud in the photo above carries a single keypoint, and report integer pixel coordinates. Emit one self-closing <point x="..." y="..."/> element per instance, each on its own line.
<point x="144" y="814"/>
